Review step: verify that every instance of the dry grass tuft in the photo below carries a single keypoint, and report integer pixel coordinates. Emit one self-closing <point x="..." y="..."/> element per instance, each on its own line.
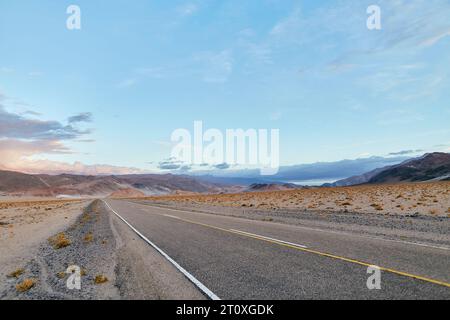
<point x="60" y="241"/>
<point x="377" y="207"/>
<point x="17" y="273"/>
<point x="89" y="237"/>
<point x="26" y="285"/>
<point x="100" y="279"/>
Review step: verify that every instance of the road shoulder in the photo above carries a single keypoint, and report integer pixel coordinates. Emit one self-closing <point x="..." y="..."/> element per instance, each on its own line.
<point x="111" y="260"/>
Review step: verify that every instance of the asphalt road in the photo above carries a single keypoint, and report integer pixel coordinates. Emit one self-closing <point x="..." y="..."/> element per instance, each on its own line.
<point x="245" y="259"/>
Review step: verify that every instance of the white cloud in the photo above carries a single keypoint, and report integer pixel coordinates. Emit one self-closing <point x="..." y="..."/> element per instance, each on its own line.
<point x="288" y="24"/>
<point x="18" y="155"/>
<point x="435" y="38"/>
<point x="24" y="140"/>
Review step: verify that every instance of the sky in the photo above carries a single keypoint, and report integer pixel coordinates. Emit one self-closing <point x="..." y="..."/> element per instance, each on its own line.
<point x="106" y="98"/>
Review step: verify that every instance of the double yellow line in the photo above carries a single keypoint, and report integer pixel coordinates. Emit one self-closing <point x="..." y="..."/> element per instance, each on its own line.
<point x="323" y="254"/>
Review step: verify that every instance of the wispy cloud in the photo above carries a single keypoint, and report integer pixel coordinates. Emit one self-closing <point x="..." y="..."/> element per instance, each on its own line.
<point x="288" y="25"/>
<point x="35" y="74"/>
<point x="406" y="152"/>
<point x="6" y="70"/>
<point x="22" y="139"/>
<point x="222" y="166"/>
<point x="82" y="117"/>
<point x="15" y="126"/>
<point x="409" y="25"/>
<point x="170" y="164"/>
<point x="217" y="66"/>
<point x="127" y="83"/>
<point x="187" y="9"/>
<point x="18" y="155"/>
<point x="206" y="66"/>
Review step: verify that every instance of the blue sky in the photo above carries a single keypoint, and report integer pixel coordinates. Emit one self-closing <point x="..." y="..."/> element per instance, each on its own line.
<point x="140" y="69"/>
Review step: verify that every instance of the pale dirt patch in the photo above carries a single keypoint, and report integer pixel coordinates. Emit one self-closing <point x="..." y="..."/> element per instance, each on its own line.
<point x="25" y="224"/>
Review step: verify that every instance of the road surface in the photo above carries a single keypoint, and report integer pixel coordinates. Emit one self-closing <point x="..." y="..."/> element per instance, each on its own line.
<point x="237" y="258"/>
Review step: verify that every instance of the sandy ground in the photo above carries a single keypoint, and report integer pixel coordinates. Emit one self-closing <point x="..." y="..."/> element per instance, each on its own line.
<point x="25" y="224"/>
<point x="430" y="199"/>
<point x="96" y="241"/>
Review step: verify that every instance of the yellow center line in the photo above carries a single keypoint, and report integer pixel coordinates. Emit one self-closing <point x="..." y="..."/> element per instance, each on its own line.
<point x="323" y="254"/>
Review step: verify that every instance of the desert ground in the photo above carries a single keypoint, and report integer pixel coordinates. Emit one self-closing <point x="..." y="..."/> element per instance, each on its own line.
<point x="427" y="199"/>
<point x="25" y="224"/>
<point x="40" y="239"/>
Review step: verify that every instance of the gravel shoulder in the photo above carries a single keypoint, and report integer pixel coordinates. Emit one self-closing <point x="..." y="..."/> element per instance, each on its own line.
<point x="113" y="264"/>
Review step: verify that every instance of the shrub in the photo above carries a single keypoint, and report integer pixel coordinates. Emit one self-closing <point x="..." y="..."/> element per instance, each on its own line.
<point x="60" y="241"/>
<point x="377" y="207"/>
<point x="89" y="237"/>
<point x="17" y="273"/>
<point x="26" y="285"/>
<point x="100" y="279"/>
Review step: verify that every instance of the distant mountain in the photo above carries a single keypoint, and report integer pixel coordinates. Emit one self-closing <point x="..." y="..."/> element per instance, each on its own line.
<point x="355" y="180"/>
<point x="15" y="183"/>
<point x="432" y="166"/>
<point x="300" y="174"/>
<point x="260" y="187"/>
<point x="233" y="181"/>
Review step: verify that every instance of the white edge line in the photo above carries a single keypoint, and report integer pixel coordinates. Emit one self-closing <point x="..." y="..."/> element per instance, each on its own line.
<point x="196" y="282"/>
<point x="267" y="238"/>
<point x="326" y="231"/>
<point x="170" y="216"/>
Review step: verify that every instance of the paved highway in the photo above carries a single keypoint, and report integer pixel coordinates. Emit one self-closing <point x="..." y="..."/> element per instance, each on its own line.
<point x="237" y="258"/>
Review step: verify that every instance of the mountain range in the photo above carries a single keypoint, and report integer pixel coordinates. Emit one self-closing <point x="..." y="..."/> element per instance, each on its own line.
<point x="429" y="167"/>
<point x="310" y="174"/>
<point x="20" y="184"/>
